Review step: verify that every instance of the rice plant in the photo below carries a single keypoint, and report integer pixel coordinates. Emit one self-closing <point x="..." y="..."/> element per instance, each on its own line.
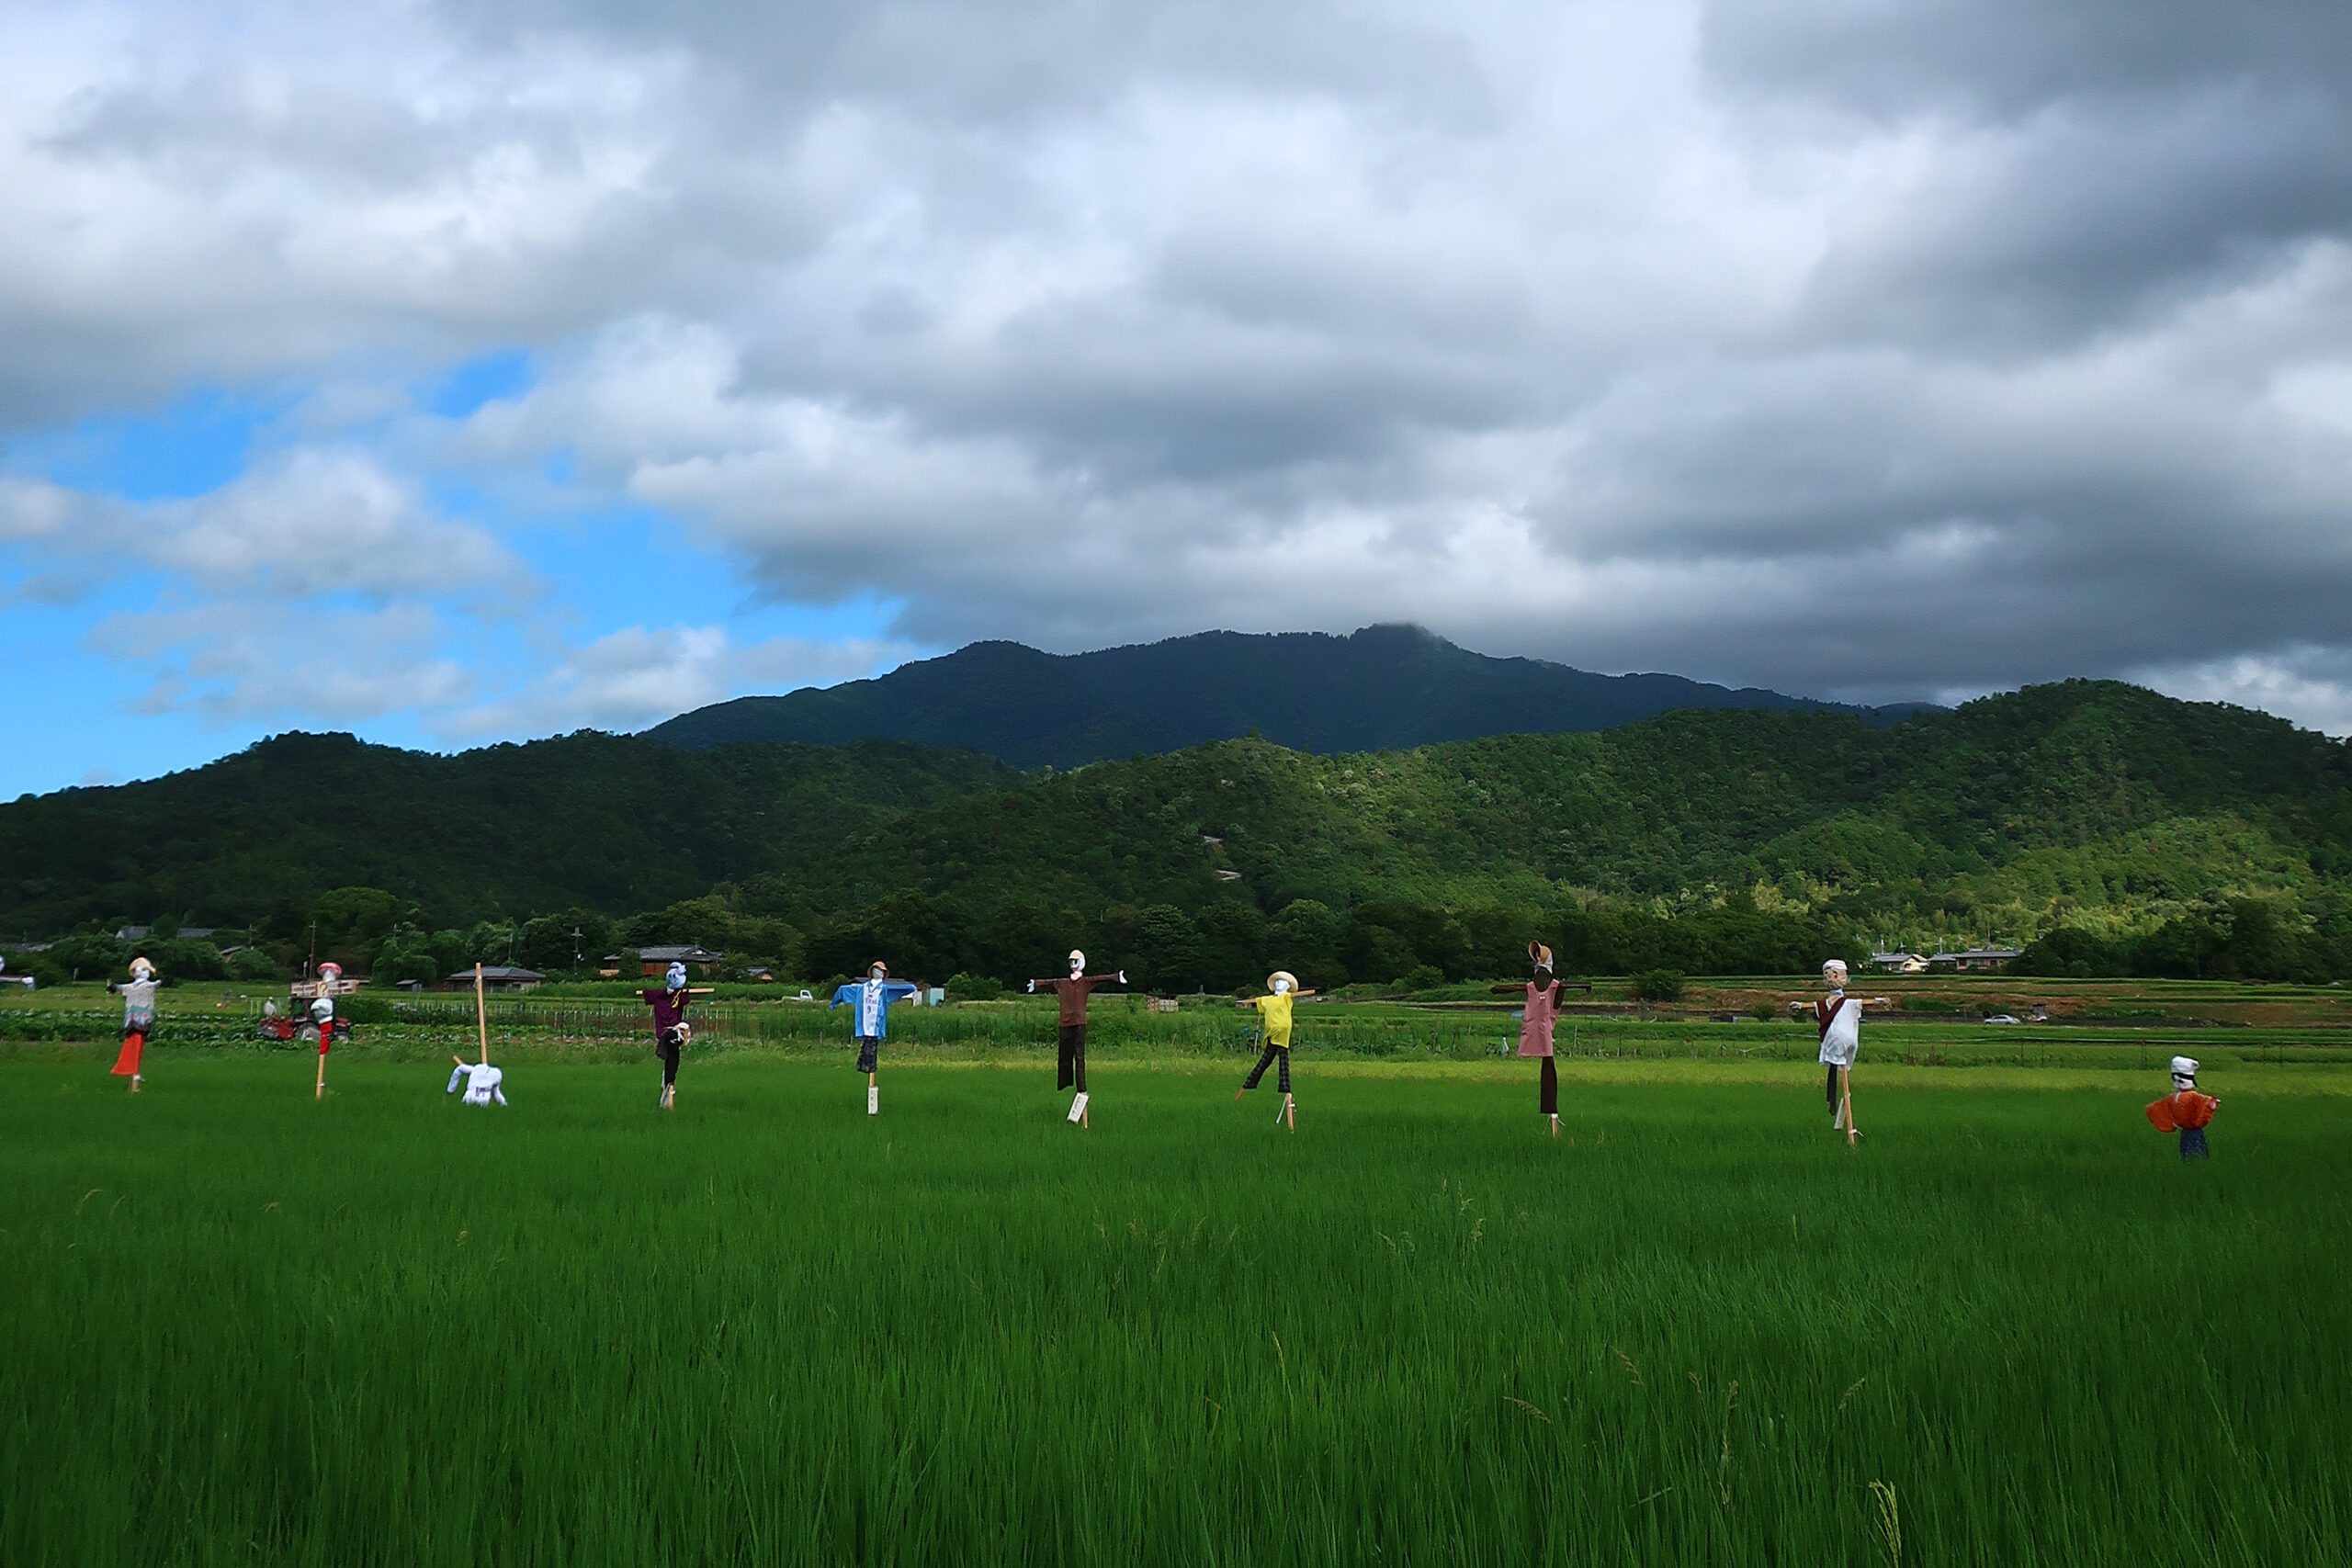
<point x="245" y="1327"/>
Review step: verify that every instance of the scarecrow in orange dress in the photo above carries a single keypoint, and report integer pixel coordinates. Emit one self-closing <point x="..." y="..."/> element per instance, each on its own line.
<point x="2185" y="1110"/>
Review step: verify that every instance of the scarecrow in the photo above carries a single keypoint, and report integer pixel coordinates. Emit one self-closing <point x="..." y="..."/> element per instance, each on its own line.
<point x="1839" y="1017"/>
<point x="872" y="998"/>
<point x="323" y="1019"/>
<point x="2184" y="1111"/>
<point x="1536" y="1029"/>
<point x="482" y="1082"/>
<point x="1070" y="1062"/>
<point x="138" y="1018"/>
<point x="672" y="1032"/>
<point x="1282" y="990"/>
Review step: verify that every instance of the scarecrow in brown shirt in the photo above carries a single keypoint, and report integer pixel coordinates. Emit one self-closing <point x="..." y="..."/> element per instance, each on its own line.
<point x="1071" y="1064"/>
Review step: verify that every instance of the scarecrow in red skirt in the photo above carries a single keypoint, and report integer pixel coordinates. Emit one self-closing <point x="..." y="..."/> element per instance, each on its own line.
<point x="2185" y="1110"/>
<point x="138" y="1018"/>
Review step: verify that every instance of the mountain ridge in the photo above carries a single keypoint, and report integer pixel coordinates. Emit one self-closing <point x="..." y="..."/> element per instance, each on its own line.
<point x="1388" y="687"/>
<point x="2086" y="803"/>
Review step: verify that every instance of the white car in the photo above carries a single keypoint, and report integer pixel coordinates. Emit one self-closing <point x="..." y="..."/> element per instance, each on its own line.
<point x="2003" y="1018"/>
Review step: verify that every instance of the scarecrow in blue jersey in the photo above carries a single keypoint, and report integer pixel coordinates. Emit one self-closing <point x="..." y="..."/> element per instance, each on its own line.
<point x="872" y="998"/>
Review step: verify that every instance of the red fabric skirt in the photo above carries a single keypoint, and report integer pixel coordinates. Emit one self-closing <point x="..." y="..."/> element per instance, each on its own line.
<point x="135" y="1041"/>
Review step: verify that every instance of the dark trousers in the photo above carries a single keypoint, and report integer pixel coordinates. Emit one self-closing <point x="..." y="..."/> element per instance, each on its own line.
<point x="2192" y="1144"/>
<point x="666" y="1047"/>
<point x="1071" y="1065"/>
<point x="1282" y="1076"/>
<point x="1550" y="1091"/>
<point x="869" y="1052"/>
<point x="1833" y="1088"/>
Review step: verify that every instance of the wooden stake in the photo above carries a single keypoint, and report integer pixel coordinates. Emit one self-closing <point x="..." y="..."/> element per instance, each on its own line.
<point x="481" y="1014"/>
<point x="323" y="1039"/>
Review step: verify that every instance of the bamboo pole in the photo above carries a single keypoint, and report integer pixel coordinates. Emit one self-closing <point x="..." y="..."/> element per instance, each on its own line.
<point x="481" y="1014"/>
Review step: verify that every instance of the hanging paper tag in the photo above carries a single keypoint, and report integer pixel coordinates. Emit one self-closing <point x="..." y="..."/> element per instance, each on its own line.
<point x="1078" y="1107"/>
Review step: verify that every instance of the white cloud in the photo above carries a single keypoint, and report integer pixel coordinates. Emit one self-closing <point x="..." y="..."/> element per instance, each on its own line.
<point x="236" y="663"/>
<point x="638" y="676"/>
<point x="1763" y="340"/>
<point x="2312" y="687"/>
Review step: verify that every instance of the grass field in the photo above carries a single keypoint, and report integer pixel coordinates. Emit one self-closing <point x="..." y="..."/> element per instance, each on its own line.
<point x="242" y="1326"/>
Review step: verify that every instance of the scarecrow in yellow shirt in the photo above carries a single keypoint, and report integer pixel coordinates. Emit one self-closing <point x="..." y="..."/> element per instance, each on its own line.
<point x="1282" y="990"/>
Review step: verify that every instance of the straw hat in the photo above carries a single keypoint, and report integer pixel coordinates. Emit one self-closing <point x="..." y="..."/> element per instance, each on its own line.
<point x="1281" y="974"/>
<point x="1541" y="953"/>
<point x="1076" y="958"/>
<point x="878" y="963"/>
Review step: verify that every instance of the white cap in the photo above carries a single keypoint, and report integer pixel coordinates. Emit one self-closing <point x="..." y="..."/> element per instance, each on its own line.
<point x="1834" y="967"/>
<point x="2184" y="1066"/>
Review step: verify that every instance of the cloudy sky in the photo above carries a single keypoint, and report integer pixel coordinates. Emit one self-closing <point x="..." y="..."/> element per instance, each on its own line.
<point x="459" y="373"/>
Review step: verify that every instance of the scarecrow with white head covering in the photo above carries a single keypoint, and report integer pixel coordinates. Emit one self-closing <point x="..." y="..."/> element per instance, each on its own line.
<point x="2185" y="1110"/>
<point x="138" y="1018"/>
<point x="672" y="1032"/>
<point x="1839" y="1018"/>
<point x="1282" y="990"/>
<point x="872" y="998"/>
<point x="1070" y="1061"/>
<point x="1536" y="1027"/>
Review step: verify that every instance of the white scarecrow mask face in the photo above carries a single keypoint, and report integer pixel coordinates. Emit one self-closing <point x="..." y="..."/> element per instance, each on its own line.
<point x="876" y="972"/>
<point x="1077" y="962"/>
<point x="1281" y="988"/>
<point x="1835" y="973"/>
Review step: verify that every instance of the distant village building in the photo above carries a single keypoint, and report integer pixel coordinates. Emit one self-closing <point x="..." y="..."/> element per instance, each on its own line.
<point x="1975" y="958"/>
<point x="657" y="960"/>
<point x="496" y="977"/>
<point x="140" y="933"/>
<point x="1898" y="963"/>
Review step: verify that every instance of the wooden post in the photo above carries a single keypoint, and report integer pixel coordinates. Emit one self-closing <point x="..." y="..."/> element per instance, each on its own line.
<point x="323" y="1039"/>
<point x="481" y="1014"/>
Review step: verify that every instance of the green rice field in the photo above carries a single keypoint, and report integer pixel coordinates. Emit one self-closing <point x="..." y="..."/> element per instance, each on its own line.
<point x="242" y="1326"/>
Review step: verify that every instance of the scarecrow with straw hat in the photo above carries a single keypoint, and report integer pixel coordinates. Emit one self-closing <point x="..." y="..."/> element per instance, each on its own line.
<point x="1282" y="990"/>
<point x="2185" y="1110"/>
<point x="138" y="1018"/>
<point x="872" y="998"/>
<point x="1070" y="1061"/>
<point x="1535" y="1028"/>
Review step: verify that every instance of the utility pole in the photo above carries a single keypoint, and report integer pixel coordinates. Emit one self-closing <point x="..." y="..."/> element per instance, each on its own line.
<point x="575" y="947"/>
<point x="312" y="966"/>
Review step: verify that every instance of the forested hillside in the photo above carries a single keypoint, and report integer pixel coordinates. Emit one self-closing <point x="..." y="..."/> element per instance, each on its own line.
<point x="1696" y="839"/>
